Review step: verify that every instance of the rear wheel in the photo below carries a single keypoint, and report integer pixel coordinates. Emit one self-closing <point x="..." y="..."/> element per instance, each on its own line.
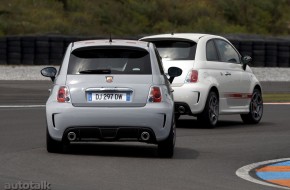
<point x="52" y="145"/>
<point x="256" y="109"/>
<point x="209" y="116"/>
<point x="166" y="147"/>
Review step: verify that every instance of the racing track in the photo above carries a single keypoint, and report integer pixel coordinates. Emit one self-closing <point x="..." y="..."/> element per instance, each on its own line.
<point x="205" y="159"/>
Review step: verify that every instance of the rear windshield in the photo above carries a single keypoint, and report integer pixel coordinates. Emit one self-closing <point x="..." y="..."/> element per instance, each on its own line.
<point x="109" y="60"/>
<point x="176" y="50"/>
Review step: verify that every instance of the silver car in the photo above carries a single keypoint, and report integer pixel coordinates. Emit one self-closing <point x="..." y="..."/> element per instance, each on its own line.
<point x="111" y="90"/>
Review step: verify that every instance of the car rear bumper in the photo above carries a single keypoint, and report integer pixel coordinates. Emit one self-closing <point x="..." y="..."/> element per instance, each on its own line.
<point x="192" y="96"/>
<point x="155" y="117"/>
<point x="113" y="133"/>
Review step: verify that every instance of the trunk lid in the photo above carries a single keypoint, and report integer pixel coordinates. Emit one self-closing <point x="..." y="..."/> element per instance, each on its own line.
<point x="95" y="91"/>
<point x="185" y="65"/>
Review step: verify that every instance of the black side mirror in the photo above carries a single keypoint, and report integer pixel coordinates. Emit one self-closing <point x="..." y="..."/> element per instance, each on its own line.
<point x="49" y="72"/>
<point x="174" y="72"/>
<point x="246" y="60"/>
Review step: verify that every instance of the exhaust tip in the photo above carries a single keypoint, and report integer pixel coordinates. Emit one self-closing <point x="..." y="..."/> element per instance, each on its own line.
<point x="181" y="109"/>
<point x="71" y="136"/>
<point x="145" y="136"/>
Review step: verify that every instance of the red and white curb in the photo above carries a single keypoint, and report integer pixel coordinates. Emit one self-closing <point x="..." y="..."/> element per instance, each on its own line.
<point x="244" y="172"/>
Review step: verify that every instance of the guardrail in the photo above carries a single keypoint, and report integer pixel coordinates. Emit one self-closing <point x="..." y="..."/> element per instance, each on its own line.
<point x="49" y="50"/>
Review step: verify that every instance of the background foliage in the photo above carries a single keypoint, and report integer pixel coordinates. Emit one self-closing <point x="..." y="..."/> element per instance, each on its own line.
<point x="140" y="17"/>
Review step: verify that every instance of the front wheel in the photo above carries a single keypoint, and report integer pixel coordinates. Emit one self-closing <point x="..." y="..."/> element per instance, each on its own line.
<point x="166" y="147"/>
<point x="256" y="109"/>
<point x="210" y="114"/>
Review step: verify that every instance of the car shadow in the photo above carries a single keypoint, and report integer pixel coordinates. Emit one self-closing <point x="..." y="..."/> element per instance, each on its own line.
<point x="194" y="124"/>
<point x="126" y="150"/>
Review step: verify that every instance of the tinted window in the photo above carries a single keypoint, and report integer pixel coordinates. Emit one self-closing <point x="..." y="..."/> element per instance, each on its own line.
<point x="109" y="60"/>
<point x="176" y="50"/>
<point x="211" y="53"/>
<point x="227" y="52"/>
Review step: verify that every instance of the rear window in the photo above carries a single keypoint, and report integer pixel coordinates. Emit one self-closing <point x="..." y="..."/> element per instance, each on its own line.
<point x="176" y="50"/>
<point x="109" y="60"/>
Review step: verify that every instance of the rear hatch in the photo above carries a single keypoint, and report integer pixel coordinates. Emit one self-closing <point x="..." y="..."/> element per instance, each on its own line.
<point x="185" y="65"/>
<point x="178" y="53"/>
<point x="110" y="76"/>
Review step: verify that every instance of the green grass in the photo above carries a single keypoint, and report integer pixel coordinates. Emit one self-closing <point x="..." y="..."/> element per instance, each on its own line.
<point x="279" y="97"/>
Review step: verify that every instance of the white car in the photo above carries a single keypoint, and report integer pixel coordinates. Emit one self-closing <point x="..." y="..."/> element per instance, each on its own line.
<point x="216" y="79"/>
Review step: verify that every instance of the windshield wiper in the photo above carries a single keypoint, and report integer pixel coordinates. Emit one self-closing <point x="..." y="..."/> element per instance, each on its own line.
<point x="96" y="71"/>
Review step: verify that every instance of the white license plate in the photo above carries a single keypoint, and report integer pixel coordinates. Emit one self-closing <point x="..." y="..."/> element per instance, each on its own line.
<point x="108" y="97"/>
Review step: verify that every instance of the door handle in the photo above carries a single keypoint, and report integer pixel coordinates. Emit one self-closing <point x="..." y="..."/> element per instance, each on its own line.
<point x="227" y="74"/>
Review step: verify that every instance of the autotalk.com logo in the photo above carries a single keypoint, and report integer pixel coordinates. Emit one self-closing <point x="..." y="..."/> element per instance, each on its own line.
<point x="43" y="185"/>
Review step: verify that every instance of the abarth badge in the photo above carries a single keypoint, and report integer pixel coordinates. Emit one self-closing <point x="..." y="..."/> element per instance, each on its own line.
<point x="109" y="79"/>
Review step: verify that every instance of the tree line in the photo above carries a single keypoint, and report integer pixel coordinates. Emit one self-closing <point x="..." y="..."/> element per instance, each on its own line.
<point x="141" y="17"/>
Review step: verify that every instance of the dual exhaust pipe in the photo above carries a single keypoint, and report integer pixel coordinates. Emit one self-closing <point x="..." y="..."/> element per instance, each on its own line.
<point x="181" y="109"/>
<point x="72" y="136"/>
<point x="145" y="136"/>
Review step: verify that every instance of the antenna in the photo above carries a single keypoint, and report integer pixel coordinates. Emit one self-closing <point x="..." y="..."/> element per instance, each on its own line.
<point x="110" y="40"/>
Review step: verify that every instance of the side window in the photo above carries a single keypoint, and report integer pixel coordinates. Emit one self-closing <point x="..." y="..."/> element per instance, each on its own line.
<point x="211" y="53"/>
<point x="227" y="52"/>
<point x="159" y="61"/>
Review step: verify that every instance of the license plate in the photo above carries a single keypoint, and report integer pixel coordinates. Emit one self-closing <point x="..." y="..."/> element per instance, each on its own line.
<point x="108" y="97"/>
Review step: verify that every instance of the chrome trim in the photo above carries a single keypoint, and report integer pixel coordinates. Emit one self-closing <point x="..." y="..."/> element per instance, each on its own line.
<point x="110" y="89"/>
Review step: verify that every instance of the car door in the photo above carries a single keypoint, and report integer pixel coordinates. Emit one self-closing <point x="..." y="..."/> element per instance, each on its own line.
<point x="235" y="92"/>
<point x="217" y="70"/>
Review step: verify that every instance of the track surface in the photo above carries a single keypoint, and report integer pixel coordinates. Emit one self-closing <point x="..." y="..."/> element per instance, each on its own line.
<point x="204" y="159"/>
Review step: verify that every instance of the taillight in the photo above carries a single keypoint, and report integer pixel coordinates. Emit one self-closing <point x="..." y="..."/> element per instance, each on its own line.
<point x="155" y="94"/>
<point x="63" y="94"/>
<point x="192" y="76"/>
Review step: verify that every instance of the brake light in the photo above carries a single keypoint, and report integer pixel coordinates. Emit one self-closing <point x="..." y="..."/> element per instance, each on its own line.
<point x="192" y="76"/>
<point x="155" y="94"/>
<point x="63" y="94"/>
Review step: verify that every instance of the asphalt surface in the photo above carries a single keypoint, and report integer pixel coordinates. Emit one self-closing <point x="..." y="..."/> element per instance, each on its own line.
<point x="26" y="92"/>
<point x="204" y="159"/>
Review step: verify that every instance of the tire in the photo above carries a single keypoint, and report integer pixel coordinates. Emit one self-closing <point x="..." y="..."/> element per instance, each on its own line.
<point x="41" y="61"/>
<point x="3" y="44"/>
<point x="14" y="61"/>
<point x="57" y="50"/>
<point x="272" y="53"/>
<point x="54" y="61"/>
<point x="235" y="43"/>
<point x="209" y="116"/>
<point x="259" y="47"/>
<point x="256" y="109"/>
<point x="28" y="50"/>
<point x="3" y="52"/>
<point x="52" y="145"/>
<point x="166" y="147"/>
<point x="244" y="53"/>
